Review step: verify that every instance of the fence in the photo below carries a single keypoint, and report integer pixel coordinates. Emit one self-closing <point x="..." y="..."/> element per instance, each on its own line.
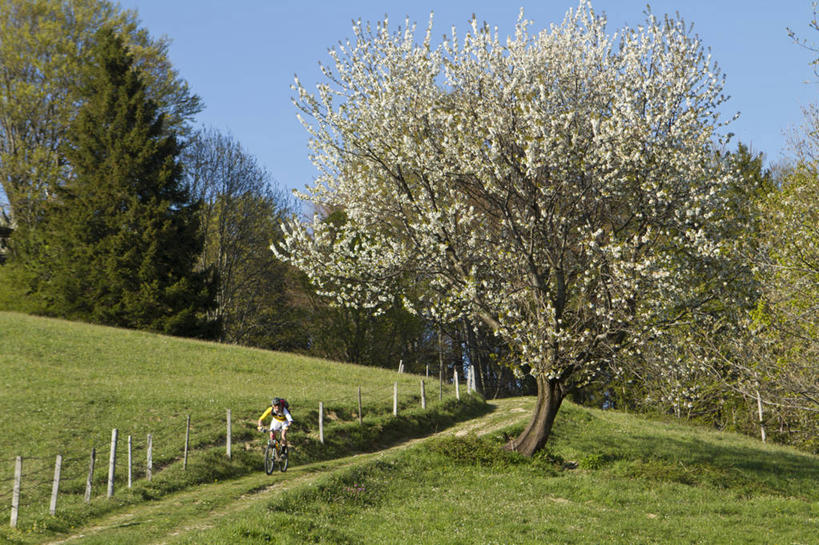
<point x="38" y="481"/>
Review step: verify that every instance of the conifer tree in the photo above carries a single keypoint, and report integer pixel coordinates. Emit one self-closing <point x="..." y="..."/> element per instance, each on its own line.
<point x="43" y="46"/>
<point x="123" y="237"/>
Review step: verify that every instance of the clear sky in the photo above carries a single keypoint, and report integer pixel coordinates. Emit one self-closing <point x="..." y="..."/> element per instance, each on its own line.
<point x="240" y="56"/>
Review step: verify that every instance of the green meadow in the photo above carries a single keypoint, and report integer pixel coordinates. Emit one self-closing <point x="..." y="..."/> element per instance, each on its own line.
<point x="428" y="476"/>
<point x="65" y="386"/>
<point x="606" y="478"/>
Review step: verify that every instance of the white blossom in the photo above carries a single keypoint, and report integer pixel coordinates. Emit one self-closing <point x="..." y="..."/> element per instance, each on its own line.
<point x="556" y="185"/>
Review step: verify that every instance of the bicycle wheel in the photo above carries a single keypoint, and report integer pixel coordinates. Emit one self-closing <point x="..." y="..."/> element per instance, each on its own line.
<point x="283" y="462"/>
<point x="269" y="459"/>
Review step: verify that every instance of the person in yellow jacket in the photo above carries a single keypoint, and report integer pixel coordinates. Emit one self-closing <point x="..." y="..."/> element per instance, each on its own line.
<point x="280" y="419"/>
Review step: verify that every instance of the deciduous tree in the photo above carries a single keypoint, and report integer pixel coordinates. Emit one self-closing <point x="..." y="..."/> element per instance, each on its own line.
<point x="43" y="45"/>
<point x="242" y="210"/>
<point x="782" y="370"/>
<point x="560" y="187"/>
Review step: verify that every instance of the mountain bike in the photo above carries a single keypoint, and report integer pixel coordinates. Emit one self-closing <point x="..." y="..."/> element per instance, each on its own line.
<point x="274" y="454"/>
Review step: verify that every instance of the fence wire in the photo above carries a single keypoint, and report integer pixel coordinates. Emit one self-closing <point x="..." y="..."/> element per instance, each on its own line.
<point x="37" y="479"/>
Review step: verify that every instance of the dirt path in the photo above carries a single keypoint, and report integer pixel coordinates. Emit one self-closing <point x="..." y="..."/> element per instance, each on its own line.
<point x="205" y="506"/>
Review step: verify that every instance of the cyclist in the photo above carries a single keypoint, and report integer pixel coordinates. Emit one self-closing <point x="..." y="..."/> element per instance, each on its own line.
<point x="280" y="419"/>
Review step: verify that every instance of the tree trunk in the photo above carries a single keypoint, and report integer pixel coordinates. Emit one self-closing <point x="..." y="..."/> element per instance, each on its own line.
<point x="549" y="397"/>
<point x="472" y="352"/>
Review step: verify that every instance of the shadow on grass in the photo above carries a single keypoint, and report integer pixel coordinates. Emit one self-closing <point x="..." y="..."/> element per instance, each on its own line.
<point x="348" y="438"/>
<point x="341" y="439"/>
<point x="691" y="458"/>
<point x="749" y="470"/>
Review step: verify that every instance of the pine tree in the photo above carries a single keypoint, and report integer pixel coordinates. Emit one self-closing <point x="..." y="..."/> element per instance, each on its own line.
<point x="123" y="238"/>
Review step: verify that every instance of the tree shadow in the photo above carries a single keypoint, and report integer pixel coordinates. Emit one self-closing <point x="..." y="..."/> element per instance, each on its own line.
<point x="690" y="456"/>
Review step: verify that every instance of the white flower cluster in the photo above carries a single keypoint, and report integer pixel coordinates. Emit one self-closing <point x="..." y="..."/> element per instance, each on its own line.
<point x="558" y="186"/>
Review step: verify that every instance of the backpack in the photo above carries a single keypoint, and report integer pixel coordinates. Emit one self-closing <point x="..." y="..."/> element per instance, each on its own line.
<point x="281" y="402"/>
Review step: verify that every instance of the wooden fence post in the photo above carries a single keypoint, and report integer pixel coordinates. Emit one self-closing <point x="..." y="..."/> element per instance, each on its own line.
<point x="55" y="488"/>
<point x="423" y="395"/>
<point x="360" y="411"/>
<point x="457" y="385"/>
<point x="228" y="434"/>
<point x="188" y="440"/>
<point x="89" y="482"/>
<point x="395" y="399"/>
<point x="15" y="498"/>
<point x="761" y="417"/>
<point x="150" y="460"/>
<point x="112" y="462"/>
<point x="130" y="462"/>
<point x="321" y="422"/>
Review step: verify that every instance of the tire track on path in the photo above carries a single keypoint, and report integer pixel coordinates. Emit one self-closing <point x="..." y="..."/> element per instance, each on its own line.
<point x="146" y="523"/>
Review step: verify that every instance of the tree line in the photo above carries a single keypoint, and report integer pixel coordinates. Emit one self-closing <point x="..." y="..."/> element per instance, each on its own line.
<point x="560" y="213"/>
<point x="120" y="211"/>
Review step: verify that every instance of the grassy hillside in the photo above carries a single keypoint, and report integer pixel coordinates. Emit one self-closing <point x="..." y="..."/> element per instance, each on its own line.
<point x="606" y="477"/>
<point x="64" y="386"/>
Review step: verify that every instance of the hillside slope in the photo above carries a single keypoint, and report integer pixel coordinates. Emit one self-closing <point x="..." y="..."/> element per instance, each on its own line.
<point x="197" y="512"/>
<point x="65" y="386"/>
<point x="607" y="478"/>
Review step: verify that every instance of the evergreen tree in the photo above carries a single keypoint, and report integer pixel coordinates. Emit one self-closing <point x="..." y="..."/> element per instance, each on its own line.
<point x="43" y="46"/>
<point x="123" y="238"/>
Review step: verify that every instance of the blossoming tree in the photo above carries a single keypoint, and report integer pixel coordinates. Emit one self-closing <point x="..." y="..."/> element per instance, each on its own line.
<point x="557" y="186"/>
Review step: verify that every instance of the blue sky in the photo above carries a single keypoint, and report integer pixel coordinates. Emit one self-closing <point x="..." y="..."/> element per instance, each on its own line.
<point x="240" y="56"/>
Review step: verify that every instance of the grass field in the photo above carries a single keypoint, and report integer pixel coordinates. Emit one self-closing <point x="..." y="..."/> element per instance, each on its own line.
<point x="636" y="482"/>
<point x="64" y="386"/>
<point x="606" y="477"/>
